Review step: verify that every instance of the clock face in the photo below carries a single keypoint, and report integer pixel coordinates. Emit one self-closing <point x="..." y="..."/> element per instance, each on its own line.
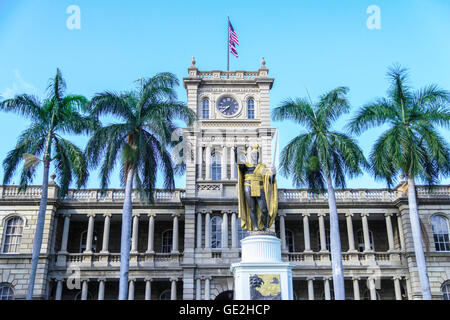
<point x="228" y="106"/>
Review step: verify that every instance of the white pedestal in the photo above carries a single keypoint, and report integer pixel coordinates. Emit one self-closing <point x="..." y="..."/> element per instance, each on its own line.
<point x="261" y="274"/>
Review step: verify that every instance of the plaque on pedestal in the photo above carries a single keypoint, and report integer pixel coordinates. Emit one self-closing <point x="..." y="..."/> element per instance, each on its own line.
<point x="261" y="274"/>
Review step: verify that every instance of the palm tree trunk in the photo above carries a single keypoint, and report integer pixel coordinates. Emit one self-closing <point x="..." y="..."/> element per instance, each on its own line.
<point x="37" y="241"/>
<point x="335" y="243"/>
<point x="125" y="242"/>
<point x="417" y="239"/>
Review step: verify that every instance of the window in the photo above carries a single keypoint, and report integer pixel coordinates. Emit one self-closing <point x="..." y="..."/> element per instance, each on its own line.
<point x="13" y="235"/>
<point x="327" y="240"/>
<point x="440" y="233"/>
<point x="205" y="109"/>
<point x="361" y="246"/>
<point x="446" y="291"/>
<point x="241" y="233"/>
<point x="83" y="242"/>
<point x="167" y="241"/>
<point x="165" y="295"/>
<point x="216" y="233"/>
<point x="216" y="167"/>
<point x="251" y="109"/>
<point x="290" y="241"/>
<point x="6" y="292"/>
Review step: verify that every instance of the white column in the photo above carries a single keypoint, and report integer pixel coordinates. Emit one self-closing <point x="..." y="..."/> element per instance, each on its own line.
<point x="327" y="290"/>
<point x="232" y="164"/>
<point x="173" y="288"/>
<point x="223" y="165"/>
<point x="84" y="290"/>
<point x="175" y="234"/>
<point x="90" y="233"/>
<point x="207" y="288"/>
<point x="310" y="288"/>
<point x="101" y="288"/>
<point x="366" y="233"/>
<point x="351" y="237"/>
<point x="151" y="233"/>
<point x="199" y="230"/>
<point x="225" y="231"/>
<point x="198" y="289"/>
<point x="408" y="288"/>
<point x="134" y="235"/>
<point x="400" y="231"/>
<point x="199" y="162"/>
<point x="372" y="288"/>
<point x="282" y="231"/>
<point x="65" y="235"/>
<point x="208" y="163"/>
<point x="234" y="237"/>
<point x="323" y="240"/>
<point x="306" y="234"/>
<point x="356" y="292"/>
<point x="59" y="288"/>
<point x="398" y="291"/>
<point x="207" y="231"/>
<point x="131" y="289"/>
<point x="106" y="227"/>
<point x="390" y="232"/>
<point x="148" y="288"/>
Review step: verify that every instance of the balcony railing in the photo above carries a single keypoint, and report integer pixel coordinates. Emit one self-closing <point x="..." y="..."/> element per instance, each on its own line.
<point x="381" y="258"/>
<point x="352" y="195"/>
<point x="113" y="259"/>
<point x="227" y="75"/>
<point x="285" y="195"/>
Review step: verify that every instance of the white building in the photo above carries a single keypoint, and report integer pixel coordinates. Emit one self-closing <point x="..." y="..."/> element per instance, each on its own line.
<point x="183" y="245"/>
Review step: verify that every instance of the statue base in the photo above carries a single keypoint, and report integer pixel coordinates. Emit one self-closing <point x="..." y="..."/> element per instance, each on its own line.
<point x="261" y="274"/>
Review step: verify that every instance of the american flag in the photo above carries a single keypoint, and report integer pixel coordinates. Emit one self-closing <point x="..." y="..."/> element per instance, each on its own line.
<point x="233" y="40"/>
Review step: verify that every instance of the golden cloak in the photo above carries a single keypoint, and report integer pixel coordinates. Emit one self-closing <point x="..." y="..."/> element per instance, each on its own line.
<point x="271" y="194"/>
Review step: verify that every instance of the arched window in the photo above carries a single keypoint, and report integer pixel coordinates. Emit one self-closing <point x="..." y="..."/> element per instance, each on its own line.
<point x="167" y="238"/>
<point x="216" y="233"/>
<point x="6" y="292"/>
<point x="361" y="246"/>
<point x="205" y="109"/>
<point x="13" y="235"/>
<point x="327" y="240"/>
<point x="83" y="242"/>
<point x="216" y="167"/>
<point x="251" y="109"/>
<point x="446" y="291"/>
<point x="440" y="233"/>
<point x="290" y="241"/>
<point x="165" y="295"/>
<point x="241" y="233"/>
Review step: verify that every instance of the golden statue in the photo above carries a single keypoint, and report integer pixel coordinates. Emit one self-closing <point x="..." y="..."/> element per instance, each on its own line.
<point x="257" y="193"/>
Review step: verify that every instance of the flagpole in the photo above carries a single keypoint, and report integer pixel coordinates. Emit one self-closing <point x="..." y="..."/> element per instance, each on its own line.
<point x="228" y="40"/>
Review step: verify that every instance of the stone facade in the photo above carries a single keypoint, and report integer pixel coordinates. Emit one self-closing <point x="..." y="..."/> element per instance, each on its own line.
<point x="184" y="243"/>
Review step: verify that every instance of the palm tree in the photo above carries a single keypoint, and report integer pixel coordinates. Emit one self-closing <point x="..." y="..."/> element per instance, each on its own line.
<point x="411" y="145"/>
<point x="142" y="137"/>
<point x="42" y="143"/>
<point x="321" y="159"/>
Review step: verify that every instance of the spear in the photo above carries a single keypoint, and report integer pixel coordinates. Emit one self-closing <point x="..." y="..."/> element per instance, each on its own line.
<point x="274" y="160"/>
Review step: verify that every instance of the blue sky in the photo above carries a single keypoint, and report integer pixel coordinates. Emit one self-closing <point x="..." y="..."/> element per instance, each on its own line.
<point x="314" y="44"/>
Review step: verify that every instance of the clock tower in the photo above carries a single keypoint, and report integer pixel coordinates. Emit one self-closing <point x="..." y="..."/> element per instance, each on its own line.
<point x="233" y="110"/>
